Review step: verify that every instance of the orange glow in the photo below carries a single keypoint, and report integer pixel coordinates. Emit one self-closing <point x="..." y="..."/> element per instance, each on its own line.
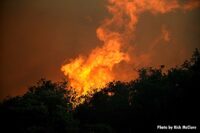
<point x="191" y="5"/>
<point x="111" y="94"/>
<point x="94" y="71"/>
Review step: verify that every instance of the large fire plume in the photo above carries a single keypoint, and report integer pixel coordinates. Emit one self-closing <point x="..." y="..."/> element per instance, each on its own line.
<point x="86" y="73"/>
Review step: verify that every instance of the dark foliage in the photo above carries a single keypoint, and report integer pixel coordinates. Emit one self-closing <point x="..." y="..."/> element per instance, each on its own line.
<point x="45" y="108"/>
<point x="154" y="98"/>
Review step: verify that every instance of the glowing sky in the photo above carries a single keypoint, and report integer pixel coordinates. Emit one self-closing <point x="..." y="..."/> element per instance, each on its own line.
<point x="38" y="36"/>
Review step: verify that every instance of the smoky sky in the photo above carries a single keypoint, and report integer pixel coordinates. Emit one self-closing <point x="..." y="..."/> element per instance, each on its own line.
<point x="38" y="36"/>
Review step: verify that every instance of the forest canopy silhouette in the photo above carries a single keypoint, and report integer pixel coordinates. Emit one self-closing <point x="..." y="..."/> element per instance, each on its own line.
<point x="155" y="97"/>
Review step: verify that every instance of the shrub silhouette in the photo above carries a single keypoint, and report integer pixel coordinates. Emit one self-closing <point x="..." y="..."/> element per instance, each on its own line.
<point x="44" y="108"/>
<point x="154" y="98"/>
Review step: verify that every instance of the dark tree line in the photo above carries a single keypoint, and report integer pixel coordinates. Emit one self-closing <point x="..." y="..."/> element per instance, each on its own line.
<point x="154" y="98"/>
<point x="45" y="108"/>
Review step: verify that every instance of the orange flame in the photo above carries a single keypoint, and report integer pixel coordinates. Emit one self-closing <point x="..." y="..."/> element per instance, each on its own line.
<point x="96" y="70"/>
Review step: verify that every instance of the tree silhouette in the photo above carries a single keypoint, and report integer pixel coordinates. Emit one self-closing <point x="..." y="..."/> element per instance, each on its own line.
<point x="154" y="98"/>
<point x="44" y="108"/>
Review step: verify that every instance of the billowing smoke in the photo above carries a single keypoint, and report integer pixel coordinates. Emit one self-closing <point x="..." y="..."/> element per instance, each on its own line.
<point x="116" y="58"/>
